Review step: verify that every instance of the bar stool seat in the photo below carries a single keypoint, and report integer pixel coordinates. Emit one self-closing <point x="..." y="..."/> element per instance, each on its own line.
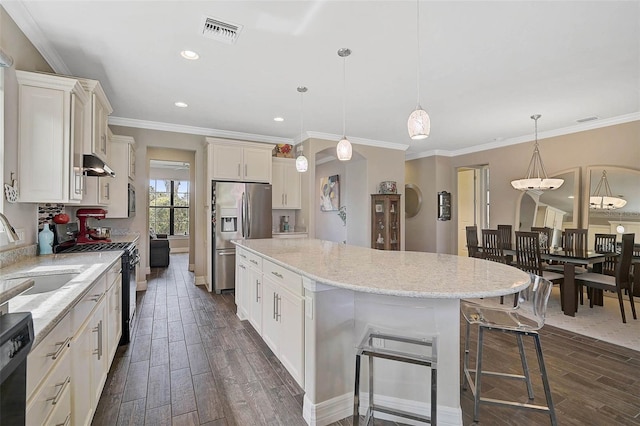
<point x="383" y="349"/>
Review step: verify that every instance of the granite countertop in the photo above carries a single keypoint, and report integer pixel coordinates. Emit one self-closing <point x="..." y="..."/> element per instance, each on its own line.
<point x="395" y="273"/>
<point x="47" y="309"/>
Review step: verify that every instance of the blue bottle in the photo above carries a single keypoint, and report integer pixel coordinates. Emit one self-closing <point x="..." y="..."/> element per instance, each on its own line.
<point x="45" y="240"/>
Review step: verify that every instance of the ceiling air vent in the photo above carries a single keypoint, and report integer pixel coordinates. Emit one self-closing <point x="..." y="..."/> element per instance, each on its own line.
<point x="217" y="29"/>
<point x="584" y="120"/>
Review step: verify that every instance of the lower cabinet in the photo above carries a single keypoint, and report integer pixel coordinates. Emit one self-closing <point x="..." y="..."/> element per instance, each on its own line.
<point x="68" y="369"/>
<point x="283" y="317"/>
<point x="271" y="298"/>
<point x="89" y="366"/>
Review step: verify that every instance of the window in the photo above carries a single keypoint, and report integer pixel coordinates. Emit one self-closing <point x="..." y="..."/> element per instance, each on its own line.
<point x="169" y="206"/>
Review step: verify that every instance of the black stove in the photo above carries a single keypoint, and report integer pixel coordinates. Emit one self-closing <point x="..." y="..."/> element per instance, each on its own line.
<point x="130" y="259"/>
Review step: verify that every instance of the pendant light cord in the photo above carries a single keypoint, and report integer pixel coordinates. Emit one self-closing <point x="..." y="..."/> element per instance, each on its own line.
<point x="344" y="97"/>
<point x="418" y="44"/>
<point x="301" y="114"/>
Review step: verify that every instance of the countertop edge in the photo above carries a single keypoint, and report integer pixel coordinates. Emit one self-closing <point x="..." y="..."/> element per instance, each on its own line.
<point x="390" y="292"/>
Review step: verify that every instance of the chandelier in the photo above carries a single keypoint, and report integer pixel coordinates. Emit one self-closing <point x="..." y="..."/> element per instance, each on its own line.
<point x="536" y="177"/>
<point x="602" y="199"/>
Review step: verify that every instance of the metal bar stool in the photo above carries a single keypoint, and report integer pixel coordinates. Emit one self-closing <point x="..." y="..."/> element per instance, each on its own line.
<point x="367" y="348"/>
<point x="523" y="320"/>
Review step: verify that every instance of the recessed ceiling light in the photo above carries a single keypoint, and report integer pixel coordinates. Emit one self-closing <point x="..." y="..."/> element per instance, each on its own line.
<point x="181" y="104"/>
<point x="571" y="196"/>
<point x="189" y="54"/>
<point x="278" y="119"/>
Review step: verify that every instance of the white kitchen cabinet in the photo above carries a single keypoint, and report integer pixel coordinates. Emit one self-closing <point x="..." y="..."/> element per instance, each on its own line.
<point x="52" y="126"/>
<point x="132" y="160"/>
<point x="242" y="285"/>
<point x="287" y="185"/>
<point x="96" y="140"/>
<point x="121" y="148"/>
<point x="239" y="161"/>
<point x="51" y="401"/>
<point x="255" y="298"/>
<point x="283" y="317"/>
<point x="114" y="317"/>
<point x="97" y="191"/>
<point x="90" y="367"/>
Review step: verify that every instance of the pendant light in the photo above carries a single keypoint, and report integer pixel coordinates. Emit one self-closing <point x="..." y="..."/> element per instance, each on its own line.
<point x="605" y="201"/>
<point x="302" y="164"/>
<point x="343" y="149"/>
<point x="419" y="123"/>
<point x="536" y="178"/>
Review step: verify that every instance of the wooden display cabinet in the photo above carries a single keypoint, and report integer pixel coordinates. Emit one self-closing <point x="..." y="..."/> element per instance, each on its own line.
<point x="385" y="221"/>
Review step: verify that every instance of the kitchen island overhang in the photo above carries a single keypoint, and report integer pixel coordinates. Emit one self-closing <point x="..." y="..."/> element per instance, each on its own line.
<point x="348" y="289"/>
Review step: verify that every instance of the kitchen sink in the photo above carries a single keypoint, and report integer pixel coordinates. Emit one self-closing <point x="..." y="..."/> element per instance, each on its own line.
<point x="47" y="283"/>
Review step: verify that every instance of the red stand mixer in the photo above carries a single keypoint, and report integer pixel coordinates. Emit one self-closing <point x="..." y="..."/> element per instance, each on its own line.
<point x="86" y="235"/>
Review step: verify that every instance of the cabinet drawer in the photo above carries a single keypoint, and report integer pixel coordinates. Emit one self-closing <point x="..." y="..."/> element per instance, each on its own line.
<point x="90" y="300"/>
<point x="54" y="394"/>
<point x="286" y="278"/>
<point x="252" y="259"/>
<point x="113" y="273"/>
<point x="48" y="352"/>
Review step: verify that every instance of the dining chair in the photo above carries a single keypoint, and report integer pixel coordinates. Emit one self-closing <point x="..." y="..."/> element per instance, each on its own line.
<point x="472" y="241"/>
<point x="547" y="240"/>
<point x="528" y="258"/>
<point x="606" y="243"/>
<point x="621" y="281"/>
<point x="526" y="319"/>
<point x="505" y="234"/>
<point x="492" y="248"/>
<point x="575" y="240"/>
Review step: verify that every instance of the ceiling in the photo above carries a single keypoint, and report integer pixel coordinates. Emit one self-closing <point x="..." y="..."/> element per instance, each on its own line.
<point x="485" y="66"/>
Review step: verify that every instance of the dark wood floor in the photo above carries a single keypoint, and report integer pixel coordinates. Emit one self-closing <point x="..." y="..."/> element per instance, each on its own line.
<point x="193" y="362"/>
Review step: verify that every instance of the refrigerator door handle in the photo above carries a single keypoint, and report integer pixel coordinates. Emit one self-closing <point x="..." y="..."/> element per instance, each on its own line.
<point x="248" y="216"/>
<point x="242" y="219"/>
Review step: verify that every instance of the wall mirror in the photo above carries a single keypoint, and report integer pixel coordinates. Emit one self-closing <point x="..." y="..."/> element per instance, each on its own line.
<point x="558" y="209"/>
<point x="608" y="218"/>
<point x="413" y="200"/>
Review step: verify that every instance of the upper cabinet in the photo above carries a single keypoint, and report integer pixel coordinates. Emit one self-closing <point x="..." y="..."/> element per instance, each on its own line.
<point x="121" y="149"/>
<point x="286" y="184"/>
<point x="239" y="161"/>
<point x="51" y="129"/>
<point x="99" y="109"/>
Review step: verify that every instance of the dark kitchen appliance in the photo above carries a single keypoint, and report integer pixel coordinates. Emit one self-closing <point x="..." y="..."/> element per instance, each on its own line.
<point x="16" y="339"/>
<point x="239" y="211"/>
<point x="130" y="259"/>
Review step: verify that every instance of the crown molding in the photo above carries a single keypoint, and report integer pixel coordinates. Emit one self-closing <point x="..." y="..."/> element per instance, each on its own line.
<point x="204" y="131"/>
<point x="591" y="125"/>
<point x="19" y="12"/>
<point x="359" y="141"/>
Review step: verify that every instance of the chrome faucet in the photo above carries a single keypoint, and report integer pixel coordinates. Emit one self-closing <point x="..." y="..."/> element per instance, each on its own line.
<point x="11" y="233"/>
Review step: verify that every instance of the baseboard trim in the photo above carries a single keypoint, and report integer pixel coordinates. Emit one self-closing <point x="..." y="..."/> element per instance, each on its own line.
<point x="141" y="285"/>
<point x="192" y="267"/>
<point x="180" y="250"/>
<point x="341" y="407"/>
<point x="201" y="280"/>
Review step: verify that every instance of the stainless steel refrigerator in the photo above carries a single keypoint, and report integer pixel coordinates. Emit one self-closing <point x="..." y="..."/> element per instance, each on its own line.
<point x="239" y="211"/>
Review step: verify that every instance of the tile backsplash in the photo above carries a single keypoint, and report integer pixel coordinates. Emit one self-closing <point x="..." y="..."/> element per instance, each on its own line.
<point x="47" y="211"/>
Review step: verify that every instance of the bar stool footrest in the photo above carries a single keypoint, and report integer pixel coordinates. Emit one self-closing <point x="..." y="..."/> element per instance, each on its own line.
<point x="396" y="412"/>
<point x="501" y="402"/>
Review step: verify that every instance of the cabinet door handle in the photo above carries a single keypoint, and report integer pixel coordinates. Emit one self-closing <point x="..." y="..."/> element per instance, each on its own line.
<point x="238" y="169"/>
<point x="245" y="170"/>
<point x="78" y="184"/>
<point x="54" y="400"/>
<point x="257" y="291"/>
<point x="253" y="261"/>
<point x="95" y="297"/>
<point x="278" y="315"/>
<point x="242" y="266"/>
<point x="66" y="421"/>
<point x="62" y="345"/>
<point x="243" y="256"/>
<point x="98" y="329"/>
<point x="277" y="274"/>
<point x="274" y="305"/>
<point x="108" y="196"/>
<point x="282" y="199"/>
<point x="286" y="200"/>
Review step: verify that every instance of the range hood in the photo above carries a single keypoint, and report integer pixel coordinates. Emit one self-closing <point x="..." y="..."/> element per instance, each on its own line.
<point x="93" y="166"/>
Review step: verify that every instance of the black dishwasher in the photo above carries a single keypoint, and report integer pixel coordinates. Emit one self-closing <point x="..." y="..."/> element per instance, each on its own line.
<point x="16" y="338"/>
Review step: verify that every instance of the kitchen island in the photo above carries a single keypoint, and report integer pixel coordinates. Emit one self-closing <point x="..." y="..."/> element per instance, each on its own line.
<point x="341" y="291"/>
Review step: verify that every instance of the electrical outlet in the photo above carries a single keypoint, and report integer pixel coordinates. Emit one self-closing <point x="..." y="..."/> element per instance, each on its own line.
<point x="378" y="343"/>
